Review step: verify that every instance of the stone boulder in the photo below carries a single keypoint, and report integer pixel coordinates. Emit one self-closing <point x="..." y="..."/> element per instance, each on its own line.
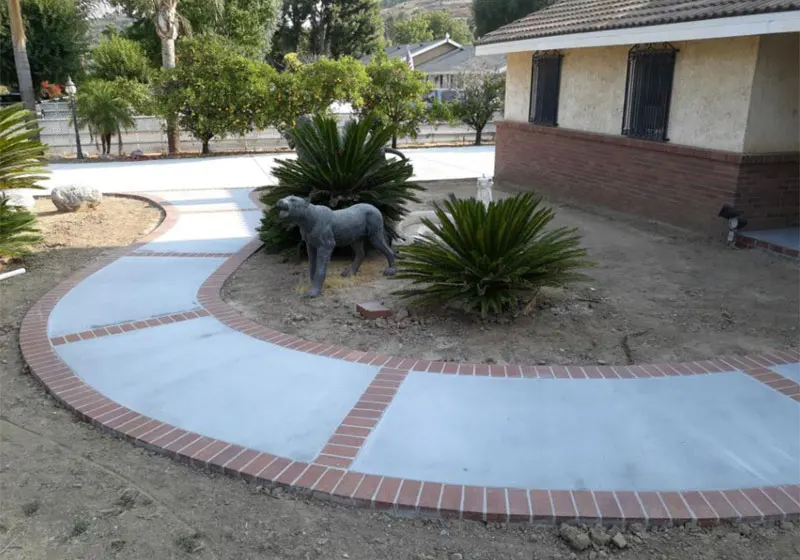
<point x="71" y="198"/>
<point x="18" y="199"/>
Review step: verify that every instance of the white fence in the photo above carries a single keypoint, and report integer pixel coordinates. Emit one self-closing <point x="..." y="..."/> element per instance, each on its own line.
<point x="149" y="136"/>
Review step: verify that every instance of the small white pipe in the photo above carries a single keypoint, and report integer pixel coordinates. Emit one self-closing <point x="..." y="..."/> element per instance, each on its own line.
<point x="12" y="273"/>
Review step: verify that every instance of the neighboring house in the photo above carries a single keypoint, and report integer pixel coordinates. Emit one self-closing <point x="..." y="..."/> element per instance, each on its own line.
<point x="665" y="108"/>
<point x="443" y="61"/>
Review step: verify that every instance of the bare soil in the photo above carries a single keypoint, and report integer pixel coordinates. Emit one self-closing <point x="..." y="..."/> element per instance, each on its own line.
<point x="69" y="492"/>
<point x="656" y="294"/>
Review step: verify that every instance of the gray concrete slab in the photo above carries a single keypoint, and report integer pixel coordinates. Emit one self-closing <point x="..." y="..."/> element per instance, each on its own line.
<point x="695" y="432"/>
<point x="223" y="232"/>
<point x="202" y="376"/>
<point x="792" y="371"/>
<point x="208" y="200"/>
<point x="132" y="289"/>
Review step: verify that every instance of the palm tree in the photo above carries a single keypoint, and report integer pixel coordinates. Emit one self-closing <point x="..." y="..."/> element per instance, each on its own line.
<point x="104" y="112"/>
<point x="21" y="56"/>
<point x="166" y="21"/>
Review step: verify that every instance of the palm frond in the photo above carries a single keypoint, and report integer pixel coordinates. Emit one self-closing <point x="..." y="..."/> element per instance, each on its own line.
<point x="22" y="156"/>
<point x="489" y="259"/>
<point x="17" y="230"/>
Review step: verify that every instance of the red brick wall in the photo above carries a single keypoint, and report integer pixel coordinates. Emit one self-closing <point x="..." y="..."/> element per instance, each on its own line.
<point x="675" y="184"/>
<point x="769" y="190"/>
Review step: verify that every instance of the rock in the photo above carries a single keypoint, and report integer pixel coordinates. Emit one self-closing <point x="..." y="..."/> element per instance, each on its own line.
<point x="456" y="556"/>
<point x="637" y="529"/>
<point x="19" y="199"/>
<point x="574" y="537"/>
<point x="786" y="525"/>
<point x="745" y="530"/>
<point x="73" y="197"/>
<point x="117" y="545"/>
<point x="619" y="541"/>
<point x="401" y="315"/>
<point x="599" y="536"/>
<point x="137" y="154"/>
<point x="592" y="555"/>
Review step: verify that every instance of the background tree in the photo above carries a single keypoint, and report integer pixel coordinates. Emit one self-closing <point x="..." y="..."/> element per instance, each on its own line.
<point x="488" y="15"/>
<point x="328" y="27"/>
<point x="117" y="57"/>
<point x="310" y="89"/>
<point x="480" y="97"/>
<point x="215" y="91"/>
<point x="428" y="27"/>
<point x="56" y="38"/>
<point x="22" y="67"/>
<point x="395" y="96"/>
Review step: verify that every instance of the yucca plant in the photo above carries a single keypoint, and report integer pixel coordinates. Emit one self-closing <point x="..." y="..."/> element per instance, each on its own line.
<point x="22" y="156"/>
<point x="338" y="170"/>
<point x="490" y="259"/>
<point x="17" y="229"/>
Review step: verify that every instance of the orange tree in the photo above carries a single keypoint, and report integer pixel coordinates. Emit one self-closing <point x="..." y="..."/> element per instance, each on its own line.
<point x="215" y="91"/>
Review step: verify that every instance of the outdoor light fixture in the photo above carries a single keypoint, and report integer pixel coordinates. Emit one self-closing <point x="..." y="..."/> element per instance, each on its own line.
<point x="734" y="219"/>
<point x="71" y="90"/>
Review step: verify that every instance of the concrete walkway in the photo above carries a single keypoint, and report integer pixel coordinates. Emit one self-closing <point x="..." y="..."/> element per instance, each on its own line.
<point x="143" y="346"/>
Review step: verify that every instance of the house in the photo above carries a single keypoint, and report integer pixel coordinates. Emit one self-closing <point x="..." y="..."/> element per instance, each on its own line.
<point x="665" y="108"/>
<point x="442" y="61"/>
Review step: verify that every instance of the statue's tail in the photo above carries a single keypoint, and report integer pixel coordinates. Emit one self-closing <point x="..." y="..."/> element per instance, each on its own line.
<point x="398" y="153"/>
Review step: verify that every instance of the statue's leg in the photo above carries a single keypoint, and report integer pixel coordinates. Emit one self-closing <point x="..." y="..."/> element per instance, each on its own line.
<point x="312" y="260"/>
<point x="358" y="249"/>
<point x="379" y="242"/>
<point x="323" y="257"/>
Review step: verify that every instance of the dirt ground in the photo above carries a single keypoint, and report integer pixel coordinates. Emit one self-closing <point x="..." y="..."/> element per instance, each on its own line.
<point x="69" y="492"/>
<point x="657" y="294"/>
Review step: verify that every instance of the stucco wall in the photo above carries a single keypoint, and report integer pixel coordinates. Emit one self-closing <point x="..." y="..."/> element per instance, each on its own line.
<point x="711" y="93"/>
<point x="593" y="89"/>
<point x="773" y="124"/>
<point x="518" y="86"/>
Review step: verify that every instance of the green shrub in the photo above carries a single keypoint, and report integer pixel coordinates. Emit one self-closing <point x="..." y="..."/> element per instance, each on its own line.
<point x="22" y="162"/>
<point x="491" y="259"/>
<point x="337" y="171"/>
<point x="17" y="230"/>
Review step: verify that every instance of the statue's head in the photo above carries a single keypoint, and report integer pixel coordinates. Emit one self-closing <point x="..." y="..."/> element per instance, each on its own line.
<point x="291" y="207"/>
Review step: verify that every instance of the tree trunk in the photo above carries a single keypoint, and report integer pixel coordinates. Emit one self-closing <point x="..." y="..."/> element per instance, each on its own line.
<point x="394" y="141"/>
<point x="119" y="142"/>
<point x="167" y="29"/>
<point x="21" y="57"/>
<point x="478" y="132"/>
<point x="206" y="149"/>
<point x="106" y="144"/>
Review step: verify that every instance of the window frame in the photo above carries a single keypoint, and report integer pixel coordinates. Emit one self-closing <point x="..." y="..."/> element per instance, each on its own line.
<point x="535" y="115"/>
<point x="636" y="88"/>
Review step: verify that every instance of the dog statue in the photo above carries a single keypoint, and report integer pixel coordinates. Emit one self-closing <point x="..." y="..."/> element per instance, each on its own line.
<point x="323" y="229"/>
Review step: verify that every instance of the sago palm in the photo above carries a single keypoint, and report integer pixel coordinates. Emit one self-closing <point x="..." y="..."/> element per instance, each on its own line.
<point x="17" y="230"/>
<point x="490" y="259"/>
<point x="338" y="170"/>
<point x="22" y="156"/>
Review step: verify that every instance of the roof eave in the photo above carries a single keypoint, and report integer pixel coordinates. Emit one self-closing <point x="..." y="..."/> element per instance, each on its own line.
<point x="717" y="28"/>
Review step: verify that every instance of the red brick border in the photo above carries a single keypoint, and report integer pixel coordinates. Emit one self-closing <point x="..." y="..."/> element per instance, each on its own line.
<point x="743" y="241"/>
<point x="333" y="481"/>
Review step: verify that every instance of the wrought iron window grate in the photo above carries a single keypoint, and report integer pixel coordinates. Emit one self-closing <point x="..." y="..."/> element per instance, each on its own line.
<point x="648" y="90"/>
<point x="545" y="79"/>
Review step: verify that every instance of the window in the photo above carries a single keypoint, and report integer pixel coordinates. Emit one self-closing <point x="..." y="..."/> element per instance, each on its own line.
<point x="647" y="92"/>
<point x="545" y="79"/>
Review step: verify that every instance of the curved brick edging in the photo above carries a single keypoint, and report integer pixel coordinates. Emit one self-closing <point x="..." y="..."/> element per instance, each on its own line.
<point x="328" y="478"/>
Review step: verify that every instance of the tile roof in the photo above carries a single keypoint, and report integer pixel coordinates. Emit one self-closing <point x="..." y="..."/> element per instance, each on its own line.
<point x="462" y="60"/>
<point x="579" y="16"/>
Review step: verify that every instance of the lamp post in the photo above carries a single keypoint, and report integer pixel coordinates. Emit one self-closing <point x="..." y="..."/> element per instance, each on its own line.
<point x="70" y="88"/>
